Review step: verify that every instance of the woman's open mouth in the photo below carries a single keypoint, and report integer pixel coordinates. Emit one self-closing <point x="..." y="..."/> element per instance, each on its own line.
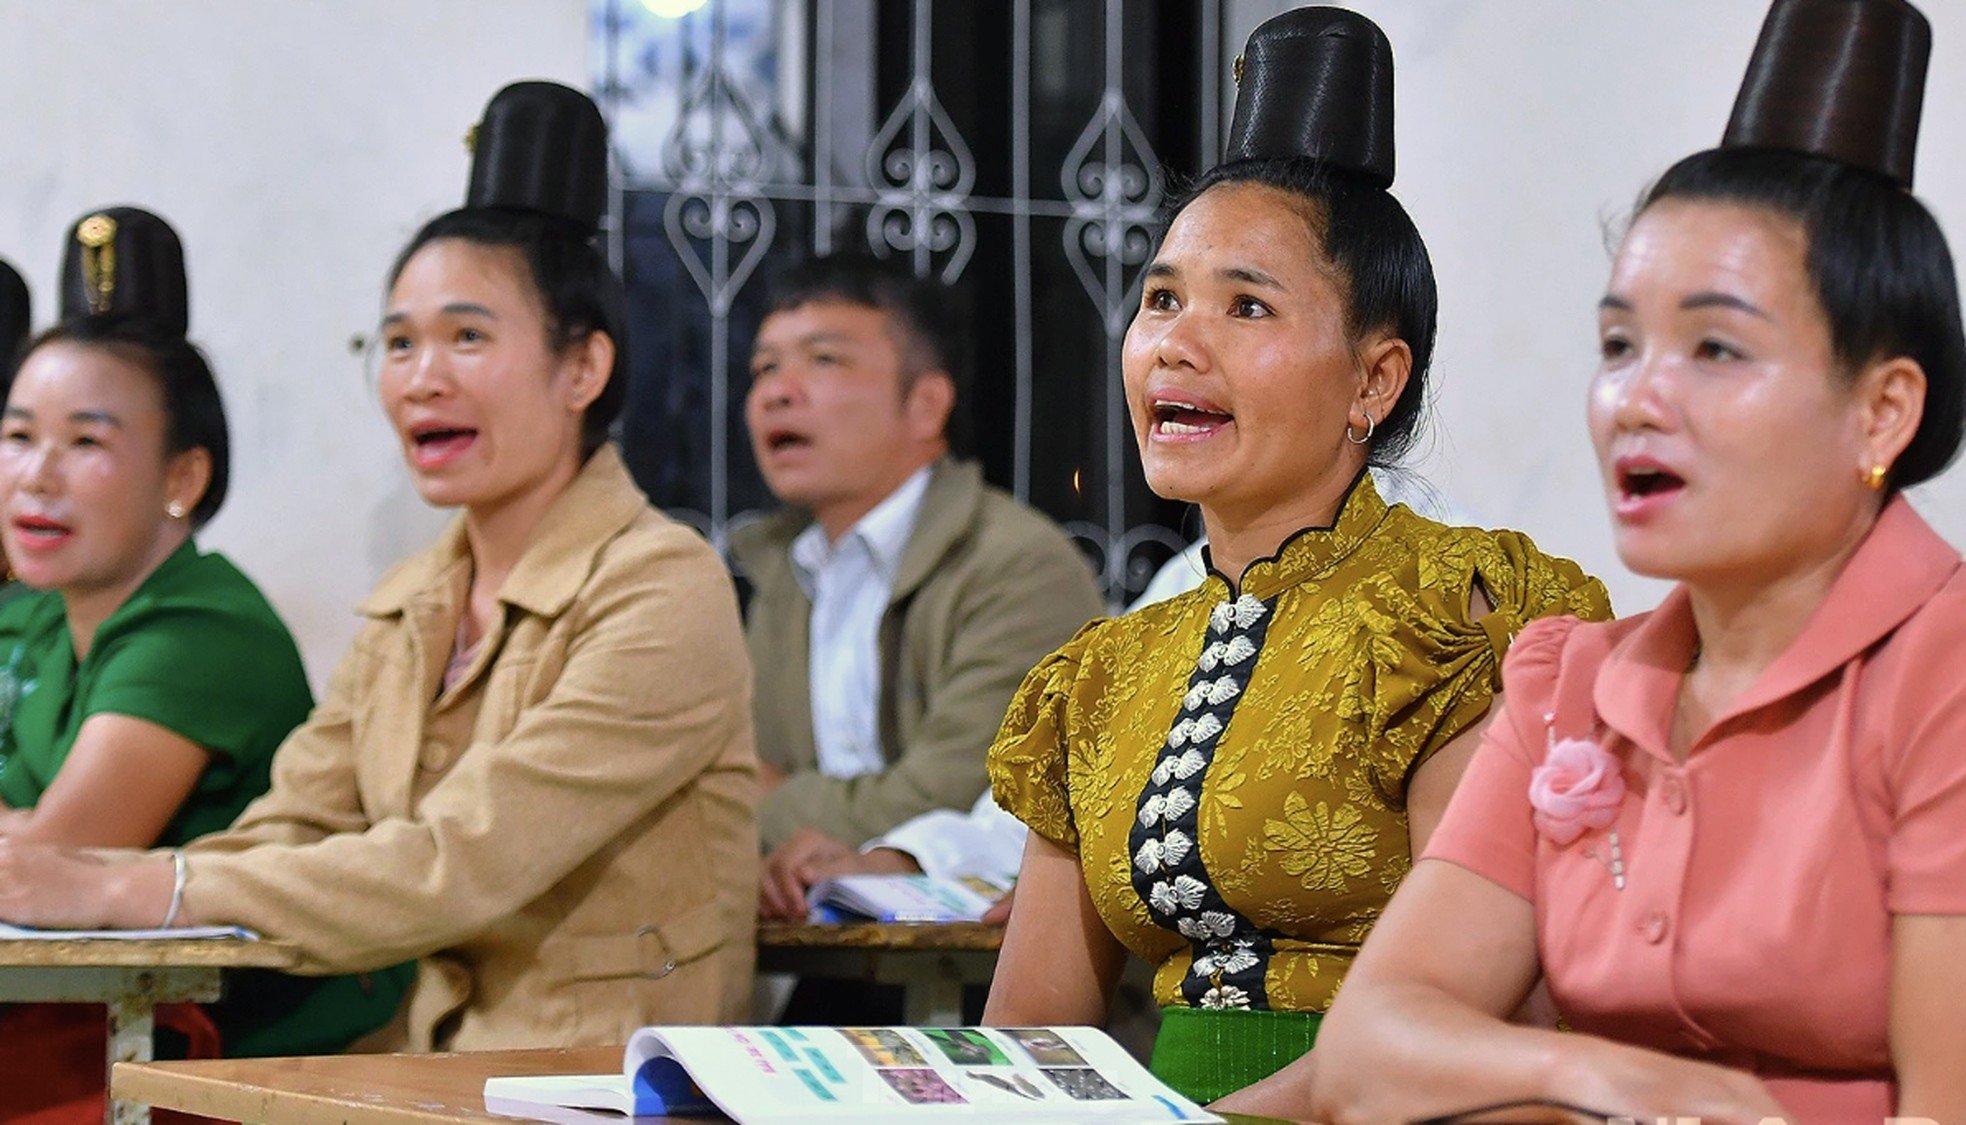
<point x="435" y="446"/>
<point x="1183" y="419"/>
<point x="39" y="533"/>
<point x="1644" y="486"/>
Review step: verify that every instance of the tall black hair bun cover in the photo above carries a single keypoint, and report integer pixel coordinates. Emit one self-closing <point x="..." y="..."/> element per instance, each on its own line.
<point x="128" y="263"/>
<point x="16" y="311"/>
<point x="541" y="147"/>
<point x="1316" y="83"/>
<point x="1842" y="79"/>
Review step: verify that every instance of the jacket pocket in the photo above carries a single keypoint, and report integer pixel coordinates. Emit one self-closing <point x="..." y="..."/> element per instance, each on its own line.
<point x="652" y="952"/>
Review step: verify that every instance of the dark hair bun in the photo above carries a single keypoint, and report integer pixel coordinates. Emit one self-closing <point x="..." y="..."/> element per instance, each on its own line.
<point x="125" y="263"/>
<point x="16" y="312"/>
<point x="541" y="147"/>
<point x="1316" y="83"/>
<point x="1842" y="79"/>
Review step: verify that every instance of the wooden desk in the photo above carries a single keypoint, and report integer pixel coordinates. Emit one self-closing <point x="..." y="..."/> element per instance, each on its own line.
<point x="930" y="961"/>
<point x="367" y="1089"/>
<point x="355" y="1089"/>
<point x="132" y="978"/>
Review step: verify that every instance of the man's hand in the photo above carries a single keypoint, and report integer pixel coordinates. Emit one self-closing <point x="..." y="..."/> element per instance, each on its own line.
<point x="786" y="875"/>
<point x="879" y="861"/>
<point x="810" y="857"/>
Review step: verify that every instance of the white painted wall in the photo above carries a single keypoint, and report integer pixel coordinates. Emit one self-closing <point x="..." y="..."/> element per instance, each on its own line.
<point x="295" y="146"/>
<point x="1525" y="130"/>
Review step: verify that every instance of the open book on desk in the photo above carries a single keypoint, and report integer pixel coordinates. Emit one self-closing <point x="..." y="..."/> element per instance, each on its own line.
<point x="902" y="898"/>
<point x="182" y="933"/>
<point x="764" y="1075"/>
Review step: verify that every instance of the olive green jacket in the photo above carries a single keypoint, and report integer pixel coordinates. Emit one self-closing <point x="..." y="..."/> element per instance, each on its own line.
<point x="986" y="588"/>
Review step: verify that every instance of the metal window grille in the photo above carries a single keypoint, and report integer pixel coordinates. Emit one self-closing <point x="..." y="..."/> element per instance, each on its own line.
<point x="1015" y="150"/>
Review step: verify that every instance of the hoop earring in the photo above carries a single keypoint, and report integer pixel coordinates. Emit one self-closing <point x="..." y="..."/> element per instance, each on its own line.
<point x="1370" y="426"/>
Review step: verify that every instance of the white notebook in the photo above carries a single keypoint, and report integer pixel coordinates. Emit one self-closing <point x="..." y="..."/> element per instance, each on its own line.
<point x="24" y="933"/>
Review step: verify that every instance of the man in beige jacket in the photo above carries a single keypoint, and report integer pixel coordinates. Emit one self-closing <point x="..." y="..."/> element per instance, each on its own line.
<point x="898" y="600"/>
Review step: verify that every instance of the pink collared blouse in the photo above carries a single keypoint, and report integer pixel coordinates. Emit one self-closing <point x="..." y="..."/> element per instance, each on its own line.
<point x="1760" y="875"/>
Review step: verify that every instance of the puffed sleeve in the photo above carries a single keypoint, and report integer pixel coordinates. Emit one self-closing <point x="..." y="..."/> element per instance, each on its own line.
<point x="240" y="692"/>
<point x="1487" y="828"/>
<point x="1434" y="666"/>
<point x="1029" y="773"/>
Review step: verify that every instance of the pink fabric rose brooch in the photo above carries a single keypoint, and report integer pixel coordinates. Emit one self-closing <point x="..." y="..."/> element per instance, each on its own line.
<point x="1578" y="789"/>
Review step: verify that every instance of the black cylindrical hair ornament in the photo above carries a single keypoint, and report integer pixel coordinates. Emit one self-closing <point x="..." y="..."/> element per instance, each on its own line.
<point x="128" y="263"/>
<point x="1316" y="83"/>
<point x="16" y="312"/>
<point x="541" y="147"/>
<point x="1842" y="79"/>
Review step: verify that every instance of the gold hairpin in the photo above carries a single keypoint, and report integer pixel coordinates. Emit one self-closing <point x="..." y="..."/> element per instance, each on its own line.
<point x="1237" y="71"/>
<point x="471" y="140"/>
<point x="97" y="234"/>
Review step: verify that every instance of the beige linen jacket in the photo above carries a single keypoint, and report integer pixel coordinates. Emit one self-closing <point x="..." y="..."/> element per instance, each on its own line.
<point x="986" y="588"/>
<point x="566" y="839"/>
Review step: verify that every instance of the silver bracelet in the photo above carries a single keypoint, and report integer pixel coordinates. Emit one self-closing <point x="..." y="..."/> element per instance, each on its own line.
<point x="177" y="889"/>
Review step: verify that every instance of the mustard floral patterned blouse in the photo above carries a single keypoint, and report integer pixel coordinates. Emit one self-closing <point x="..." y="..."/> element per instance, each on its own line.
<point x="1231" y="765"/>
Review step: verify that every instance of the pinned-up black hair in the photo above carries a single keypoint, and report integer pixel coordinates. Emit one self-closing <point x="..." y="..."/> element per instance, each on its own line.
<point x="1825" y="132"/>
<point x="1840" y="79"/>
<point x="16" y="313"/>
<point x="126" y="263"/>
<point x="124" y="291"/>
<point x="539" y="186"/>
<point x="1314" y="119"/>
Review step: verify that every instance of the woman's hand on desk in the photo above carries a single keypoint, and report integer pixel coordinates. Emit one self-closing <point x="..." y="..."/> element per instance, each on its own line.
<point x="1623" y="1079"/>
<point x="60" y="888"/>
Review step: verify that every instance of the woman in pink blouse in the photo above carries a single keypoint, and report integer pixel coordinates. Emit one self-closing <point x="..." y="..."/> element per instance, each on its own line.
<point x="1730" y="833"/>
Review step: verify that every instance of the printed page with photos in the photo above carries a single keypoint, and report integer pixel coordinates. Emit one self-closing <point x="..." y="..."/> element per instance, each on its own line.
<point x="761" y="1075"/>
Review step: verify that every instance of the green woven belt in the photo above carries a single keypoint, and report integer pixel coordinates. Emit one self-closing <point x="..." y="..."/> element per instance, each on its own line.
<point x="1205" y="1053"/>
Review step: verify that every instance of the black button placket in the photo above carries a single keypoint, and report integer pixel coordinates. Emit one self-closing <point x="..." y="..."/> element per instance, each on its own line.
<point x="1230" y="952"/>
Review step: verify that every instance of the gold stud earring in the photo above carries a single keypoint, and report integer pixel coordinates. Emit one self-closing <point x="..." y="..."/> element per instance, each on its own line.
<point x="1874" y="477"/>
<point x="175" y="509"/>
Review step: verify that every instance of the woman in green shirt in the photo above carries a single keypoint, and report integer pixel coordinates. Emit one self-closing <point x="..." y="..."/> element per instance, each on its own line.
<point x="144" y="684"/>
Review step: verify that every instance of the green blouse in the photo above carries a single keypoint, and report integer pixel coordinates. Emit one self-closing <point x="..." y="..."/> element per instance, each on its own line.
<point x="1230" y="766"/>
<point x="198" y="651"/>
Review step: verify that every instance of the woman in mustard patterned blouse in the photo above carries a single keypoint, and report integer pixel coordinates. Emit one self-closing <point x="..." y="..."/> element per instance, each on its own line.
<point x="1229" y="784"/>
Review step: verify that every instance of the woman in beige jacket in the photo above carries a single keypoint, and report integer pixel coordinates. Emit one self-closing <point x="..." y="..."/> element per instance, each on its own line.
<point x="533" y="772"/>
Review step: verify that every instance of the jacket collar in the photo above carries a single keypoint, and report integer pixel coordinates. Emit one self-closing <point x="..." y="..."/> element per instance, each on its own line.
<point x="882" y="533"/>
<point x="1898" y="567"/>
<point x="559" y="558"/>
<point x="948" y="510"/>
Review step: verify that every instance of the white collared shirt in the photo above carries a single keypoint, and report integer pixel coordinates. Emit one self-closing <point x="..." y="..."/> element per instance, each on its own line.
<point x="850" y="583"/>
<point x="984" y="841"/>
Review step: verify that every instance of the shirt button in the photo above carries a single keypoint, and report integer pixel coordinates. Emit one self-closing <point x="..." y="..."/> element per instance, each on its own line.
<point x="1654" y="928"/>
<point x="435" y="756"/>
<point x="1675" y="794"/>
